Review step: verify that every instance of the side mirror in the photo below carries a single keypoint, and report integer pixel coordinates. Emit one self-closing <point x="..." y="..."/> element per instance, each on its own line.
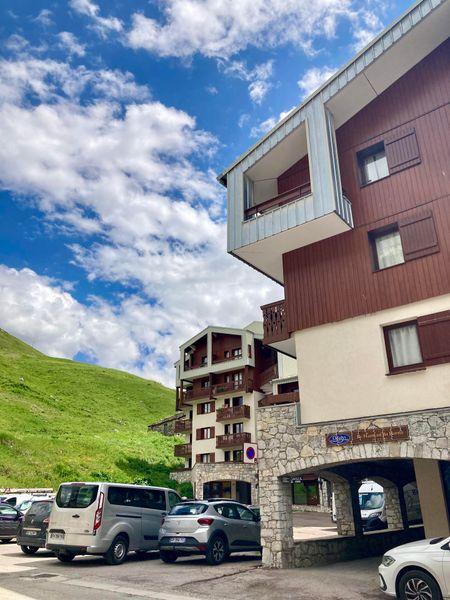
<point x="184" y="498"/>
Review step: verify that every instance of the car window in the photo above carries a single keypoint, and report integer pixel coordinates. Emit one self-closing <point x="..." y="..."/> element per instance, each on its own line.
<point x="76" y="496"/>
<point x="173" y="499"/>
<point x="188" y="508"/>
<point x="7" y="510"/>
<point x="245" y="514"/>
<point x="40" y="509"/>
<point x="227" y="510"/>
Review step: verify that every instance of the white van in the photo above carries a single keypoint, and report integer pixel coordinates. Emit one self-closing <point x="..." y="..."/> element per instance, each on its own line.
<point x="108" y="519"/>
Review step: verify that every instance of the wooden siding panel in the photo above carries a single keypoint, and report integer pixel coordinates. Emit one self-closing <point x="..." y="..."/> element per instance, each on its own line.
<point x="333" y="279"/>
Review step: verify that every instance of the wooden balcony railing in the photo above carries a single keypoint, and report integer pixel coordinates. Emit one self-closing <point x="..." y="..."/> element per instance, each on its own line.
<point x="183" y="425"/>
<point x="268" y="375"/>
<point x="233" y="439"/>
<point x="275" y="322"/>
<point x="195" y="394"/>
<point x="285" y="198"/>
<point x="183" y="449"/>
<point x="233" y="412"/>
<point x="233" y="386"/>
<point x="287" y="398"/>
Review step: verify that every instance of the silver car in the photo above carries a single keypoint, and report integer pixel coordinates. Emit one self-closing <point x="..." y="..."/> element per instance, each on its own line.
<point x="215" y="528"/>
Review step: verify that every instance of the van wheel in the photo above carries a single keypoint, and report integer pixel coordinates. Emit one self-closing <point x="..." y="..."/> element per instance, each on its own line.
<point x="29" y="549"/>
<point x="168" y="556"/>
<point x="117" y="551"/>
<point x="415" y="585"/>
<point x="65" y="557"/>
<point x="217" y="550"/>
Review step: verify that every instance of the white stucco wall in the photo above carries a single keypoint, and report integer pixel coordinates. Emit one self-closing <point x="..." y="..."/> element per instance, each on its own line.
<point x="342" y="368"/>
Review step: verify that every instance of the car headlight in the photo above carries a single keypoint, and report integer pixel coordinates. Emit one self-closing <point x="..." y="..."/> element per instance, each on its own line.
<point x="387" y="560"/>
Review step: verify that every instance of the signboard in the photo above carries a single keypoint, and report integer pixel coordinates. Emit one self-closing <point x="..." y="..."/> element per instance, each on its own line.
<point x="373" y="435"/>
<point x="250" y="453"/>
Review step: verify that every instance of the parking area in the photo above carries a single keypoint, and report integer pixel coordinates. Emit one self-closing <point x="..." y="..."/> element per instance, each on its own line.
<point x="42" y="577"/>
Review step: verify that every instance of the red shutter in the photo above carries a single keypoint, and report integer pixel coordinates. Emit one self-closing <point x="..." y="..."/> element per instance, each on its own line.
<point x="199" y="409"/>
<point x="402" y="150"/>
<point x="434" y="335"/>
<point x="418" y="235"/>
<point x="213" y="432"/>
<point x="198" y="434"/>
<point x="198" y="458"/>
<point x="213" y="407"/>
<point x="212" y="457"/>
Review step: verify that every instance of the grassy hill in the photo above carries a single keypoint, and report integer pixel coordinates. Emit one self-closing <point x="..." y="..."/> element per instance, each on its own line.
<point x="64" y="420"/>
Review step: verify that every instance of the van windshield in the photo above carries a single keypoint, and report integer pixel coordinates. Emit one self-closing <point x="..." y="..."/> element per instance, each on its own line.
<point x="188" y="508"/>
<point x="371" y="500"/>
<point x="76" y="496"/>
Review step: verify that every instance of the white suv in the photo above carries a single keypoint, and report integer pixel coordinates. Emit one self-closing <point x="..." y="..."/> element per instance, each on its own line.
<point x="417" y="571"/>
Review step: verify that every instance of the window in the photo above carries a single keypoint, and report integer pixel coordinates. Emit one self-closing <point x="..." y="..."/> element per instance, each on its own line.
<point x="228" y="511"/>
<point x="205" y="458"/>
<point x="205" y="384"/>
<point x="249" y="350"/>
<point x="206" y="433"/>
<point x="238" y="379"/>
<point x="245" y="514"/>
<point x="204" y="360"/>
<point x="174" y="499"/>
<point x="226" y="402"/>
<point x="403" y="347"/>
<point x="373" y="163"/>
<point x="205" y="408"/>
<point x="227" y="354"/>
<point x="238" y="401"/>
<point x="233" y="456"/>
<point x="189" y="508"/>
<point x="8" y="511"/>
<point x="76" y="496"/>
<point x="237" y="352"/>
<point x="234" y="428"/>
<point x="387" y="249"/>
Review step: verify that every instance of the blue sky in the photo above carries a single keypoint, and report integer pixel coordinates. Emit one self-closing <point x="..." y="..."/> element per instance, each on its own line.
<point x="115" y="118"/>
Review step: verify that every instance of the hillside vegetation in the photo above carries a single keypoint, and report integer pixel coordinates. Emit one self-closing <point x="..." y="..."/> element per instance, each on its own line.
<point x="65" y="420"/>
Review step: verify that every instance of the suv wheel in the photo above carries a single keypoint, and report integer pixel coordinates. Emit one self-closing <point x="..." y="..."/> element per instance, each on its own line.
<point x="64" y="556"/>
<point x="29" y="549"/>
<point x="217" y="550"/>
<point x="418" y="585"/>
<point x="168" y="556"/>
<point x="117" y="551"/>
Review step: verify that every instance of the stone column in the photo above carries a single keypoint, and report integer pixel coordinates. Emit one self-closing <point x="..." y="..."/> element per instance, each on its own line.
<point x="277" y="535"/>
<point x="432" y="497"/>
<point x="392" y="507"/>
<point x="343" y="508"/>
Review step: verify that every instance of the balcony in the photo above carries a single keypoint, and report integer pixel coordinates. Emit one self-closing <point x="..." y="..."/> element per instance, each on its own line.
<point x="232" y="386"/>
<point x="276" y="333"/>
<point x="287" y="398"/>
<point x="267" y="375"/>
<point x="280" y="200"/>
<point x="183" y="425"/>
<point x="183" y="449"/>
<point x="196" y="394"/>
<point x="230" y="440"/>
<point x="229" y="413"/>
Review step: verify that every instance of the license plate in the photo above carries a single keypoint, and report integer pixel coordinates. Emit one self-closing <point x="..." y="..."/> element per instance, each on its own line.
<point x="177" y="540"/>
<point x="30" y="532"/>
<point x="57" y="537"/>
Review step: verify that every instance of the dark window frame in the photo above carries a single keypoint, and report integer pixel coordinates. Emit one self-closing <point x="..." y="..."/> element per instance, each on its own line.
<point x="387" y="342"/>
<point x="361" y="155"/>
<point x="373" y="234"/>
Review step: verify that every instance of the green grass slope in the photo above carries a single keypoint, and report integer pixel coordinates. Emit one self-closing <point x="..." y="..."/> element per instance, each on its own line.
<point x="62" y="420"/>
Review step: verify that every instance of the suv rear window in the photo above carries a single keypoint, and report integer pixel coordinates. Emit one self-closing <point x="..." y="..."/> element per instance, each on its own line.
<point x="76" y="496"/>
<point x="188" y="508"/>
<point x="40" y="509"/>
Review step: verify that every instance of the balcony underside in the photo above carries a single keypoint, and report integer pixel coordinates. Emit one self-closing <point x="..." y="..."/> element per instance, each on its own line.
<point x="276" y="232"/>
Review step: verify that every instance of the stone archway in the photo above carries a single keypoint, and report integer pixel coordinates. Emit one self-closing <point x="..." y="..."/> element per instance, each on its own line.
<point x="205" y="473"/>
<point x="287" y="448"/>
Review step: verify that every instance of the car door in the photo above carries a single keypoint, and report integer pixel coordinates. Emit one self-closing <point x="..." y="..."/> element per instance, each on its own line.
<point x="233" y="526"/>
<point x="251" y="527"/>
<point x="9" y="521"/>
<point x="153" y="511"/>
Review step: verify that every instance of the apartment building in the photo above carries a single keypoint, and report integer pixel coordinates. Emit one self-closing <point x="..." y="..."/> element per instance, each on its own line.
<point x="346" y="203"/>
<point x="222" y="376"/>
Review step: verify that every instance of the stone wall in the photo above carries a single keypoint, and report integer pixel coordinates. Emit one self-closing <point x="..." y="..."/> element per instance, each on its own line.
<point x="287" y="448"/>
<point x="166" y="426"/>
<point x="202" y="473"/>
<point x="182" y="475"/>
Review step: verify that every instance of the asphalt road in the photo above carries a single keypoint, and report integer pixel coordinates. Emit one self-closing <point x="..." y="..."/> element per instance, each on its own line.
<point x="42" y="577"/>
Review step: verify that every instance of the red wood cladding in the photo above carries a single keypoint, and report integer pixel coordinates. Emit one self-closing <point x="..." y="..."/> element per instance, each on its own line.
<point x="295" y="176"/>
<point x="222" y="343"/>
<point x="334" y="279"/>
<point x="402" y="150"/>
<point x="418" y="234"/>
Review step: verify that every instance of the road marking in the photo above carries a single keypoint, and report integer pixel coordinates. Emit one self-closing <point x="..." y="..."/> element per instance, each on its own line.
<point x="120" y="589"/>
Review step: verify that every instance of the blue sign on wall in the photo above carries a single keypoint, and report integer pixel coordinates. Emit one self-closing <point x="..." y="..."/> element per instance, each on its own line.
<point x="338" y="439"/>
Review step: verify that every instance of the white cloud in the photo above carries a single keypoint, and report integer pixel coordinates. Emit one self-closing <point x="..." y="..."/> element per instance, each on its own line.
<point x="243" y="120"/>
<point x="69" y="42"/>
<point x="369" y="26"/>
<point x="313" y="79"/>
<point x="128" y="172"/>
<point x="220" y="28"/>
<point x="268" y="124"/>
<point x="44" y="17"/>
<point x="258" y="78"/>
<point x="103" y="25"/>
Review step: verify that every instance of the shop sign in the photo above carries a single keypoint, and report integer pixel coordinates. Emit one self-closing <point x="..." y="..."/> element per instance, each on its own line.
<point x="373" y="435"/>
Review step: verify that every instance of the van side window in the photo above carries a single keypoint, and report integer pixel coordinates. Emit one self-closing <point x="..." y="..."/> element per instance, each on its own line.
<point x="154" y="499"/>
<point x="118" y="495"/>
<point x="173" y="499"/>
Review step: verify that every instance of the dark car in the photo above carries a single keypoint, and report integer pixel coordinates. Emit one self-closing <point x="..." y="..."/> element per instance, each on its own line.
<point x="33" y="529"/>
<point x="10" y="519"/>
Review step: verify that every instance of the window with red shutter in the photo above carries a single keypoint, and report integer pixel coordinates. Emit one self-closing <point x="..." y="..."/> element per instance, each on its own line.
<point x="198" y="434"/>
<point x="434" y="335"/>
<point x="213" y="432"/>
<point x="402" y="150"/>
<point x="418" y="235"/>
<point x="212" y="457"/>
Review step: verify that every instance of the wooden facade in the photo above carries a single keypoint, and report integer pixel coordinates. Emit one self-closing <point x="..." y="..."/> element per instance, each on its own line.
<point x="335" y="279"/>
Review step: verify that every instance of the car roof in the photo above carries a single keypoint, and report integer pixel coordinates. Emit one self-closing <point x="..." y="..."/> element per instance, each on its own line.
<point x="125" y="485"/>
